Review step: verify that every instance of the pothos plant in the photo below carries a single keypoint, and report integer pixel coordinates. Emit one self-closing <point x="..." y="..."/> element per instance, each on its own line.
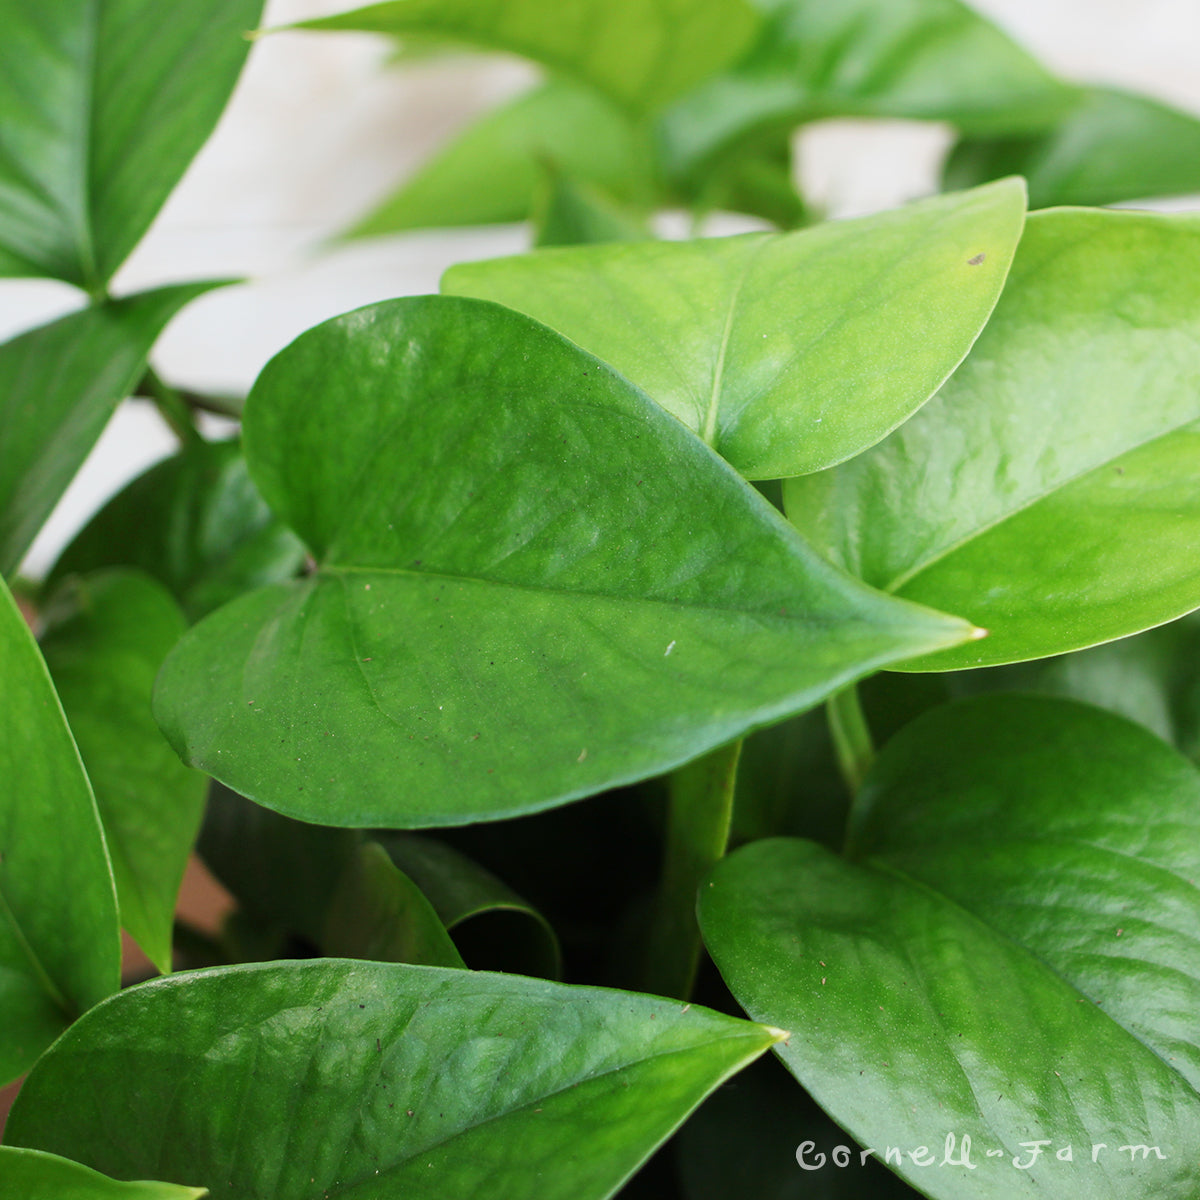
<point x="538" y="626"/>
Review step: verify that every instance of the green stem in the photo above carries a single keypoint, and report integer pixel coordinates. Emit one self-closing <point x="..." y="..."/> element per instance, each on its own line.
<point x="170" y="405"/>
<point x="851" y="736"/>
<point x="700" y="814"/>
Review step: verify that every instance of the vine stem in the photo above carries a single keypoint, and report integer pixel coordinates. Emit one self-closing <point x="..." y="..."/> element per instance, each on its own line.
<point x="700" y="814"/>
<point x="171" y="407"/>
<point x="851" y="736"/>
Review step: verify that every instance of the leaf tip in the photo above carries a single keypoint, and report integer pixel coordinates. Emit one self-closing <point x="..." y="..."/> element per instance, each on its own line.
<point x="977" y="633"/>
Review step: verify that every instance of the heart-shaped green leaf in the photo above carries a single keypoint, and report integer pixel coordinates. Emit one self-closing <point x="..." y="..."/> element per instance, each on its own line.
<point x="921" y="59"/>
<point x="1111" y="146"/>
<point x="196" y="523"/>
<point x="1013" y="958"/>
<point x="786" y="352"/>
<point x="377" y="1081"/>
<point x="107" y="636"/>
<point x="105" y="102"/>
<point x="1049" y="490"/>
<point x="490" y="173"/>
<point x="642" y="53"/>
<point x="29" y="1174"/>
<point x="516" y="603"/>
<point x="60" y="949"/>
<point x="59" y="384"/>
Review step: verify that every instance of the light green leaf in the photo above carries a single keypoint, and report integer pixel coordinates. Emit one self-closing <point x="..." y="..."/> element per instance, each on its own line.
<point x="60" y="949"/>
<point x="378" y="913"/>
<point x="515" y="605"/>
<point x="408" y="1081"/>
<point x="493" y="927"/>
<point x="106" y="638"/>
<point x="105" y="104"/>
<point x="59" y="384"/>
<point x="491" y="173"/>
<point x="196" y="523"/>
<point x="921" y="59"/>
<point x="34" y="1175"/>
<point x="1048" y="491"/>
<point x="1112" y="146"/>
<point x="642" y="53"/>
<point x="1012" y="958"/>
<point x="572" y="213"/>
<point x="785" y="352"/>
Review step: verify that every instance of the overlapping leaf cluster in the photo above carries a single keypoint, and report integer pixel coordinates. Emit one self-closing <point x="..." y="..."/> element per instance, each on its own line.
<point x="485" y="555"/>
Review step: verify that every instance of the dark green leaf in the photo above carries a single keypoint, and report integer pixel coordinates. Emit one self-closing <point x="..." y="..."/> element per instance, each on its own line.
<point x="785" y="352"/>
<point x="104" y="104"/>
<point x="1112" y="146"/>
<point x="34" y="1175"/>
<point x="491" y="173"/>
<point x="372" y="1080"/>
<point x="642" y="53"/>
<point x="107" y="637"/>
<point x="196" y="523"/>
<point x="59" y="385"/>
<point x="1048" y="490"/>
<point x="378" y="913"/>
<point x="515" y="605"/>
<point x="493" y="927"/>
<point x="60" y="948"/>
<point x="921" y="59"/>
<point x="282" y="872"/>
<point x="1012" y="958"/>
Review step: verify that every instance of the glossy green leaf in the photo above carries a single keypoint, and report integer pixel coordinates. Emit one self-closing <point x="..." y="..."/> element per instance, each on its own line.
<point x="282" y="872"/>
<point x="59" y="384"/>
<point x="1048" y="491"/>
<point x="1011" y="958"/>
<point x="788" y="352"/>
<point x="404" y="1081"/>
<point x="196" y="523"/>
<point x="491" y="173"/>
<point x="1112" y="146"/>
<point x="494" y="928"/>
<point x="642" y="53"/>
<point x="922" y="59"/>
<point x="104" y="104"/>
<point x="514" y="605"/>
<point x="378" y="913"/>
<point x="108" y="634"/>
<point x="35" y="1175"/>
<point x="571" y="213"/>
<point x="60" y="948"/>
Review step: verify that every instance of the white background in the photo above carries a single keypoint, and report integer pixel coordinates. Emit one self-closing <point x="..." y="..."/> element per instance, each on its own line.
<point x="320" y="129"/>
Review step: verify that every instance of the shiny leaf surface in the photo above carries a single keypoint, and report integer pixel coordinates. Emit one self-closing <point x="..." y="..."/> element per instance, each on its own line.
<point x="514" y="605"/>
<point x="422" y="1082"/>
<point x="108" y="635"/>
<point x="786" y="353"/>
<point x="59" y="384"/>
<point x="1010" y="957"/>
<point x="196" y="523"/>
<point x="59" y="945"/>
<point x="104" y="104"/>
<point x="25" y="1174"/>
<point x="1048" y="491"/>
